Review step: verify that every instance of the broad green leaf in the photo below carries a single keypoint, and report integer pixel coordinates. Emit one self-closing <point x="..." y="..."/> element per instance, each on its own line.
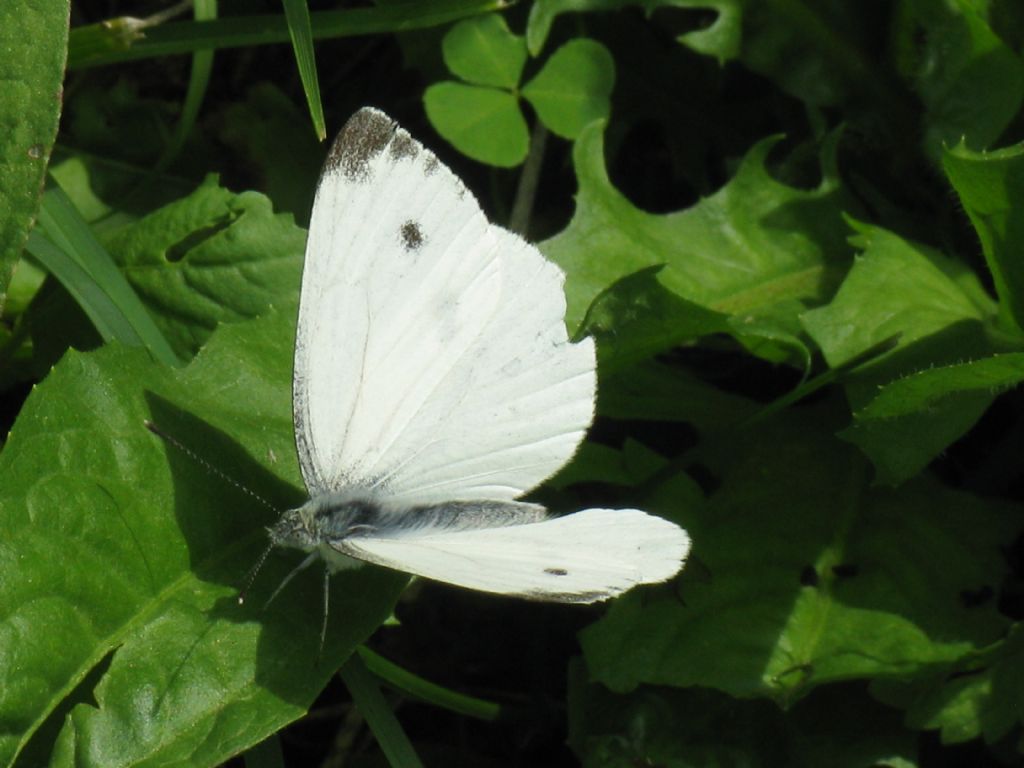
<point x="719" y="38"/>
<point x="801" y="575"/>
<point x="895" y="287"/>
<point x="991" y="189"/>
<point x="742" y="251"/>
<point x="124" y="556"/>
<point x="837" y="726"/>
<point x="483" y="51"/>
<point x="33" y="39"/>
<point x="482" y="123"/>
<point x="912" y="419"/>
<point x="573" y="88"/>
<point x="982" y="697"/>
<point x="211" y="257"/>
<point x="970" y="82"/>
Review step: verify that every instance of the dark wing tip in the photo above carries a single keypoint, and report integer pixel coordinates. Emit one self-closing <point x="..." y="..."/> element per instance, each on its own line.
<point x="364" y="136"/>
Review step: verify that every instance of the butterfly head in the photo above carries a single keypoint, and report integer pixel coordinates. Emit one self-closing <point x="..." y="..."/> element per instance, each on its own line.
<point x="299" y="528"/>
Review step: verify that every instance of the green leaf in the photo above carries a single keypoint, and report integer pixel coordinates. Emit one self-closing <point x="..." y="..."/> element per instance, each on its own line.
<point x="982" y="697"/>
<point x="742" y="251"/>
<point x="895" y="287"/>
<point x="970" y="82"/>
<point x="991" y="189"/>
<point x="573" y="88"/>
<point x="912" y="419"/>
<point x="124" y="555"/>
<point x="33" y="38"/>
<point x="482" y="123"/>
<point x="211" y="257"/>
<point x="940" y="315"/>
<point x="483" y="51"/>
<point x="800" y="575"/>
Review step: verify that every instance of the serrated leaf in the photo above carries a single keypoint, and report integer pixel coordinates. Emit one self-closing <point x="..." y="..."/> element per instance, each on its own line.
<point x="912" y="419"/>
<point x="211" y="257"/>
<point x="895" y="287"/>
<point x="482" y="51"/>
<point x="482" y="123"/>
<point x="33" y="38"/>
<point x="800" y="575"/>
<point x="122" y="551"/>
<point x="752" y="245"/>
<point x="573" y="88"/>
<point x="991" y="190"/>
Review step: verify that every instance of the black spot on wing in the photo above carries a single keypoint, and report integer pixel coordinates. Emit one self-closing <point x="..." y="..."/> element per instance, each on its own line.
<point x="412" y="235"/>
<point x="364" y="136"/>
<point x="556" y="571"/>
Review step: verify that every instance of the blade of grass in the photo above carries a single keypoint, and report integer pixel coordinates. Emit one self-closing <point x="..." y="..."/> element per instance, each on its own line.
<point x="199" y="79"/>
<point x="297" y="15"/>
<point x="426" y="691"/>
<point x="367" y="696"/>
<point x="108" y="321"/>
<point x="75" y="257"/>
<point x="119" y="40"/>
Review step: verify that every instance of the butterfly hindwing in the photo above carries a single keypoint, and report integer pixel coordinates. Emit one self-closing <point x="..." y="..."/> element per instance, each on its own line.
<point x="580" y="558"/>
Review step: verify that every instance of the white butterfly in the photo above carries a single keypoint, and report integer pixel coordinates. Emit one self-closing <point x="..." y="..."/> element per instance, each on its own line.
<point x="435" y="384"/>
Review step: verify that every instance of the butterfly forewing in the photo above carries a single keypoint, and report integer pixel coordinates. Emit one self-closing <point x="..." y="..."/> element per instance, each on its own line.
<point x="432" y="361"/>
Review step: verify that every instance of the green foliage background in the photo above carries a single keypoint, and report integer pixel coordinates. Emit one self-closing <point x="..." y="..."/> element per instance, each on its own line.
<point x="795" y="230"/>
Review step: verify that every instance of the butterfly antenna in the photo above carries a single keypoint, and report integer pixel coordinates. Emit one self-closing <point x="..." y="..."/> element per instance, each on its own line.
<point x="251" y="576"/>
<point x="207" y="465"/>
